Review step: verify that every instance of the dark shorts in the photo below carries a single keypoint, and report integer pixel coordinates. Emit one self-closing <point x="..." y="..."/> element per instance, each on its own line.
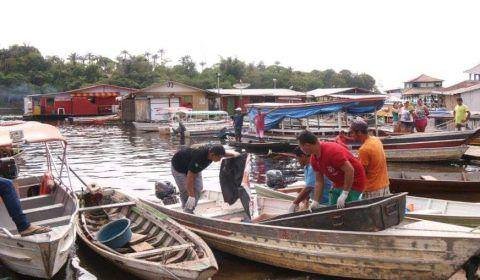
<point x="238" y="132"/>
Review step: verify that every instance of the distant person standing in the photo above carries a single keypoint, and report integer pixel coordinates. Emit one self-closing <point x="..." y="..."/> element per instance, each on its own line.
<point x="260" y="124"/>
<point x="238" y="124"/>
<point x="395" y="113"/>
<point x="406" y="119"/>
<point x="372" y="156"/>
<point x="420" y="115"/>
<point x="461" y="114"/>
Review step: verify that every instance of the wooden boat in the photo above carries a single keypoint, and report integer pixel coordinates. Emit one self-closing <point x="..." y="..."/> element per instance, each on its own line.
<point x="160" y="248"/>
<point x="40" y="255"/>
<point x="446" y="211"/>
<point x="415" y="147"/>
<point x="453" y="186"/>
<point x="97" y="120"/>
<point x="363" y="215"/>
<point x="414" y="249"/>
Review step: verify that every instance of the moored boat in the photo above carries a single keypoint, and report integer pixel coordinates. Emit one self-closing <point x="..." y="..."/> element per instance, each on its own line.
<point x="414" y="249"/>
<point x="160" y="248"/>
<point x="461" y="186"/>
<point x="41" y="255"/>
<point x="98" y="120"/>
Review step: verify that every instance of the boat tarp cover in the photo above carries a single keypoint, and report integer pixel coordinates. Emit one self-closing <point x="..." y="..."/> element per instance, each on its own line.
<point x="231" y="175"/>
<point x="277" y="112"/>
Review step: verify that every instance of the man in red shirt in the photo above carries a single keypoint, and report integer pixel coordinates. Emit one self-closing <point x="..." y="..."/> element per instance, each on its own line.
<point x="337" y="164"/>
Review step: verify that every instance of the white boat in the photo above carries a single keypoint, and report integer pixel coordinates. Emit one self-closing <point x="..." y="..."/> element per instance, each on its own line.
<point x="413" y="249"/>
<point x="446" y="211"/>
<point x="40" y="255"/>
<point x="197" y="123"/>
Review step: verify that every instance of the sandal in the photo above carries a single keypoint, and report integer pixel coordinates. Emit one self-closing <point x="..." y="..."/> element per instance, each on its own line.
<point x="35" y="230"/>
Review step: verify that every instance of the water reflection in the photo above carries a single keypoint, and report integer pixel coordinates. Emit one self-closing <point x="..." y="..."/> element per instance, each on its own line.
<point x="120" y="157"/>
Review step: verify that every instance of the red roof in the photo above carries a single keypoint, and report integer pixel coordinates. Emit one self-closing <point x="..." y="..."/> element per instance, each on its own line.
<point x="424" y="79"/>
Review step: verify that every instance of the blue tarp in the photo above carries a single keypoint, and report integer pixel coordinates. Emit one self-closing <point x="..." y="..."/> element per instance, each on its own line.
<point x="275" y="114"/>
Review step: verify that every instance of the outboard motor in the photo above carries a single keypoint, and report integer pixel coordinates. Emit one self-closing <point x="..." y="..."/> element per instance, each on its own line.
<point x="275" y="179"/>
<point x="8" y="168"/>
<point x="166" y="192"/>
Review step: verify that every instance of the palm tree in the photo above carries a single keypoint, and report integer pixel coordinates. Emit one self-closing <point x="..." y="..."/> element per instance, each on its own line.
<point x="73" y="57"/>
<point x="89" y="57"/>
<point x="147" y="55"/>
<point x="202" y="64"/>
<point x="161" y="52"/>
<point x="154" y="58"/>
<point x="82" y="58"/>
<point x="124" y="53"/>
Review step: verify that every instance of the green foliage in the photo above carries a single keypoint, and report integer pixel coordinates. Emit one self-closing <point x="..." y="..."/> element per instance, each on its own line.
<point x="24" y="70"/>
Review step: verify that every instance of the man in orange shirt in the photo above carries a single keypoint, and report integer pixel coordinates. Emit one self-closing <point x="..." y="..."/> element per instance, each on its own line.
<point x="373" y="159"/>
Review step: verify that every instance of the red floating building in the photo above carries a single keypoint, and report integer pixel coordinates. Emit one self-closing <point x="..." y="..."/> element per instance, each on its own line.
<point x="96" y="100"/>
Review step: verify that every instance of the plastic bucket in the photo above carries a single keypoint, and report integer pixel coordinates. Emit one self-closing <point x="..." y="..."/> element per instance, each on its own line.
<point x="115" y="234"/>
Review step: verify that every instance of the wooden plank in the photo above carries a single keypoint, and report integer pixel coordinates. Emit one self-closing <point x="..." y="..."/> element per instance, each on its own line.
<point x="122" y="204"/>
<point x="160" y="251"/>
<point x="142" y="246"/>
<point x="137" y="238"/>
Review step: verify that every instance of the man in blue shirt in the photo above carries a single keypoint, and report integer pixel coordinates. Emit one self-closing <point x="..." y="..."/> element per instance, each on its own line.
<point x="238" y="124"/>
<point x="307" y="192"/>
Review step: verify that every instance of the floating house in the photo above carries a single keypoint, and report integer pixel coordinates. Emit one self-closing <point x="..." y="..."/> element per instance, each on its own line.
<point x="152" y="104"/>
<point x="96" y="100"/>
<point x="233" y="98"/>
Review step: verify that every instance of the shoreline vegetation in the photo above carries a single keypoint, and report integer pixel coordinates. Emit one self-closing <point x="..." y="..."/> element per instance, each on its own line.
<point x="24" y="70"/>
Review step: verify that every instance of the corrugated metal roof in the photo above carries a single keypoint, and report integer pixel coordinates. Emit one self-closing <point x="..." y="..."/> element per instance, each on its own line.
<point x="259" y="92"/>
<point x="474" y="70"/>
<point x="462" y="90"/>
<point x="319" y="92"/>
<point x="423" y="91"/>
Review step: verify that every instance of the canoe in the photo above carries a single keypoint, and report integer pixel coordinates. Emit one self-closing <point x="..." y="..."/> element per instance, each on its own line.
<point x="40" y="255"/>
<point x="445" y="211"/>
<point x="453" y="186"/>
<point x="414" y="249"/>
<point x="160" y="248"/>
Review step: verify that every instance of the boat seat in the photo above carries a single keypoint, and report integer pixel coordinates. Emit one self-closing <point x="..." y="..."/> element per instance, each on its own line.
<point x="44" y="212"/>
<point x="54" y="222"/>
<point x="36" y="201"/>
<point x="161" y="250"/>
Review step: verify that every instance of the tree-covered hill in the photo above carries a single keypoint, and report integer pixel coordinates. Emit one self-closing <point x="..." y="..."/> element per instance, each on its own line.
<point x="24" y="70"/>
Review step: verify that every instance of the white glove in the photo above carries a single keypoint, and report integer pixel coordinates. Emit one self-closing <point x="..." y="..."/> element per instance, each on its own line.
<point x="341" y="199"/>
<point x="313" y="206"/>
<point x="293" y="208"/>
<point x="190" y="204"/>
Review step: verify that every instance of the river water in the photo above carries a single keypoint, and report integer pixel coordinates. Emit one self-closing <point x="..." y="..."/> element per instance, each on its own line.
<point x="118" y="156"/>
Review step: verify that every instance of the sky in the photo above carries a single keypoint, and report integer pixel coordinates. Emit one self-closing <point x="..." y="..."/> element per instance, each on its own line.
<point x="392" y="40"/>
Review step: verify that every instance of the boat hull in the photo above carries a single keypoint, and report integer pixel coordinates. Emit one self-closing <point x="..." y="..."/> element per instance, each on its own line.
<point x="38" y="258"/>
<point x="389" y="254"/>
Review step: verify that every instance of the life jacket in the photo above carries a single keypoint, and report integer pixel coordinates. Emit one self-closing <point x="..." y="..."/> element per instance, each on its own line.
<point x="47" y="183"/>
